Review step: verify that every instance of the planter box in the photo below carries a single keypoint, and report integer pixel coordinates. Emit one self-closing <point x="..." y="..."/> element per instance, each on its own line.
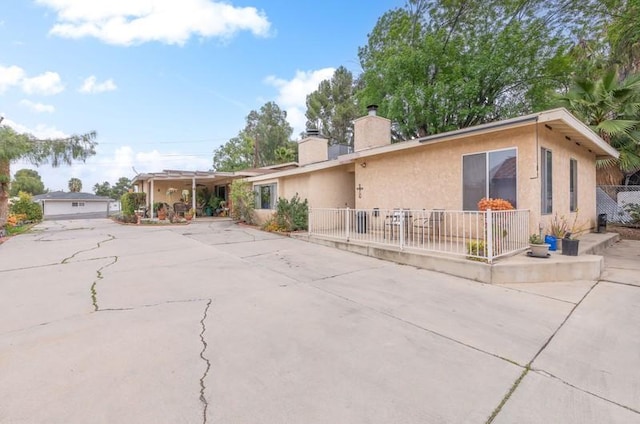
<point x="570" y="247"/>
<point x="539" y="250"/>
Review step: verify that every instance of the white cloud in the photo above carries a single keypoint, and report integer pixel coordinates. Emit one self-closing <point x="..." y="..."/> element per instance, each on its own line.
<point x="37" y="107"/>
<point x="10" y="76"/>
<point x="90" y="86"/>
<point x="46" y="84"/>
<point x="293" y="93"/>
<point x="126" y="22"/>
<point x="39" y="131"/>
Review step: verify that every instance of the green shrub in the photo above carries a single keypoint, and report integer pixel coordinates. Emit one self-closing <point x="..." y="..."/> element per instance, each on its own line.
<point x="292" y="215"/>
<point x="25" y="205"/>
<point x="242" y="201"/>
<point x="476" y="248"/>
<point x="634" y="210"/>
<point x="131" y="201"/>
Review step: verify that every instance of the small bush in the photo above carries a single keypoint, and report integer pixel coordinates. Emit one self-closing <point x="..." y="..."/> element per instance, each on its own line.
<point x="132" y="201"/>
<point x="634" y="210"/>
<point x="243" y="201"/>
<point x="476" y="248"/>
<point x="292" y="215"/>
<point x="26" y="206"/>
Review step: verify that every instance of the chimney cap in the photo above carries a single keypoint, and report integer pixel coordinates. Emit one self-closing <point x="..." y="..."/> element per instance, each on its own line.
<point x="372" y="108"/>
<point x="312" y="132"/>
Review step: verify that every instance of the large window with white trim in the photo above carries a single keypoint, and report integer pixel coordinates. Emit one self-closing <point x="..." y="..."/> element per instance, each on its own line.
<point x="546" y="181"/>
<point x="265" y="196"/>
<point x="489" y="174"/>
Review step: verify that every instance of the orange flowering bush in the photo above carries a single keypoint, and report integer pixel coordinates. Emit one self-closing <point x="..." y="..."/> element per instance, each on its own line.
<point x="15" y="218"/>
<point x="494" y="204"/>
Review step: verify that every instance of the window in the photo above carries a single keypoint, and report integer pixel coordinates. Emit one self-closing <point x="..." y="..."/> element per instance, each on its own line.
<point x="546" y="181"/>
<point x="573" y="185"/>
<point x="489" y="174"/>
<point x="265" y="196"/>
<point x="77" y="204"/>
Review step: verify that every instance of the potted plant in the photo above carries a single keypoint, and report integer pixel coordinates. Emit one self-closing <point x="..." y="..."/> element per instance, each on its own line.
<point x="189" y="214"/>
<point x="570" y="245"/>
<point x="160" y="210"/>
<point x="539" y="248"/>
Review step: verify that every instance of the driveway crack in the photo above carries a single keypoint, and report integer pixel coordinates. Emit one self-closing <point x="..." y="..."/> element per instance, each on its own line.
<point x="203" y="387"/>
<point x="97" y="246"/>
<point x="94" y="286"/>
<point x="516" y="384"/>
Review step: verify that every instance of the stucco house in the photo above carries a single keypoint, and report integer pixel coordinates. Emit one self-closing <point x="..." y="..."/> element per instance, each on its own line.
<point x="544" y="163"/>
<point x="157" y="185"/>
<point x="69" y="205"/>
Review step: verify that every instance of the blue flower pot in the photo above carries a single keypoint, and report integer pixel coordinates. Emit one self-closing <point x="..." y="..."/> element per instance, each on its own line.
<point x="552" y="241"/>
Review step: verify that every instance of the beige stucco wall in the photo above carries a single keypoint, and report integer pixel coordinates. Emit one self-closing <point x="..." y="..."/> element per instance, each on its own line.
<point x="328" y="188"/>
<point x="563" y="151"/>
<point x="430" y="176"/>
<point x="313" y="149"/>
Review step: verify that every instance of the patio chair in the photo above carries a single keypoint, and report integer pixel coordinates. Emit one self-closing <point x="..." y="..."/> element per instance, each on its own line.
<point x="394" y="223"/>
<point x="431" y="226"/>
<point x="180" y="208"/>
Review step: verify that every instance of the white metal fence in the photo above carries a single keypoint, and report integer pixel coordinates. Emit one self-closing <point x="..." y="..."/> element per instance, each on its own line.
<point x="618" y="203"/>
<point x="474" y="234"/>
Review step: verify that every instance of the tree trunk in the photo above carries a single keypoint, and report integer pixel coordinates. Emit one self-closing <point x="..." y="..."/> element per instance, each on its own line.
<point x="5" y="178"/>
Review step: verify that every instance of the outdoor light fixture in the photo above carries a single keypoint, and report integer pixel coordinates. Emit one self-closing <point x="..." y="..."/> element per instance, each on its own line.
<point x="363" y="164"/>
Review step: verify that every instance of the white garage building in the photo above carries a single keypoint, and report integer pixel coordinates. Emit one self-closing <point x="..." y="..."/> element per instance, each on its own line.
<point x="64" y="205"/>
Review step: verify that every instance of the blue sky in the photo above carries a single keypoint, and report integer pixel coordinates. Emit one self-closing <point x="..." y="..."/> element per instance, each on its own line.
<point x="165" y="82"/>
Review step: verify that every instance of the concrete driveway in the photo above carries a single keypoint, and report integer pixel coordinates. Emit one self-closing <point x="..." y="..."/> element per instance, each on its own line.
<point x="216" y="323"/>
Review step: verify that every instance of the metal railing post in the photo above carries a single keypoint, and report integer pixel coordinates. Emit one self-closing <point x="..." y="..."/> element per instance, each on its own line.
<point x="309" y="221"/>
<point x="489" y="246"/>
<point x="347" y="219"/>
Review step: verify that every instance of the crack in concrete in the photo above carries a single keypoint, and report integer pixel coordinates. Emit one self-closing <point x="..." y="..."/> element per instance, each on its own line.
<point x="97" y="246"/>
<point x="548" y="374"/>
<point x="621" y="283"/>
<point x="94" y="286"/>
<point x="152" y="305"/>
<point x="203" y="387"/>
<point x="413" y="324"/>
<point x="535" y="294"/>
<point x="516" y="384"/>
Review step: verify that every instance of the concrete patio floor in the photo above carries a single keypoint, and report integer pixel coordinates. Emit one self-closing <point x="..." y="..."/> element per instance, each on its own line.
<point x="218" y="323"/>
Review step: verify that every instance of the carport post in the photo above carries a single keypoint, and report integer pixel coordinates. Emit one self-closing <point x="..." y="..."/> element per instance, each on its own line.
<point x="151" y="197"/>
<point x="193" y="195"/>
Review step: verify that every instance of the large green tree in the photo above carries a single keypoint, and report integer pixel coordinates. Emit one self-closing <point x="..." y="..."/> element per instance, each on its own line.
<point x="332" y="107"/>
<point x="28" y="181"/>
<point x="234" y="155"/>
<point x="434" y="66"/>
<point x="15" y="146"/>
<point x="612" y="109"/>
<point x="121" y="187"/>
<point x="256" y="145"/>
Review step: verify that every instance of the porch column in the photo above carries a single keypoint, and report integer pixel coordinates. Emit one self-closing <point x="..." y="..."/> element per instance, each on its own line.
<point x="193" y="194"/>
<point x="151" y="190"/>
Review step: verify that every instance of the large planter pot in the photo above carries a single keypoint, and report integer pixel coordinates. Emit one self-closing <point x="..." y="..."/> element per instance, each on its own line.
<point x="162" y="214"/>
<point x="539" y="250"/>
<point x="570" y="247"/>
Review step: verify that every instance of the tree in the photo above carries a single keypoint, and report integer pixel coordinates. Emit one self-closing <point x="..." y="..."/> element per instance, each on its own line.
<point x="234" y="155"/>
<point x="75" y="185"/>
<point x="122" y="186"/>
<point x="15" y="146"/>
<point x="103" y="189"/>
<point x="612" y="109"/>
<point x="28" y="181"/>
<point x="435" y="66"/>
<point x="332" y="107"/>
<point x="269" y="129"/>
<point x="256" y="145"/>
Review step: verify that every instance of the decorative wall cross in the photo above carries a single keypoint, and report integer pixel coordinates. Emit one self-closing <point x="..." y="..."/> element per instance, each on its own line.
<point x="359" y="188"/>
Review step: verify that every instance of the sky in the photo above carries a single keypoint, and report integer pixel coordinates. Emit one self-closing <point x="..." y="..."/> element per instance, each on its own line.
<point x="166" y="82"/>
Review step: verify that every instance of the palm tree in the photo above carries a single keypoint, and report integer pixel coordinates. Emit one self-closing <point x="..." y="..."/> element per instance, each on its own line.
<point x="15" y="146"/>
<point x="75" y="185"/>
<point x="612" y="109"/>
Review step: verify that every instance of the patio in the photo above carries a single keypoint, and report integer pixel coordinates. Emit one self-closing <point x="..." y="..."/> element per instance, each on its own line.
<point x="455" y="242"/>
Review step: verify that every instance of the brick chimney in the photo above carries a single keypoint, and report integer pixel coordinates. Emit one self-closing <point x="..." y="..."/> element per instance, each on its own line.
<point x="314" y="148"/>
<point x="371" y="130"/>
